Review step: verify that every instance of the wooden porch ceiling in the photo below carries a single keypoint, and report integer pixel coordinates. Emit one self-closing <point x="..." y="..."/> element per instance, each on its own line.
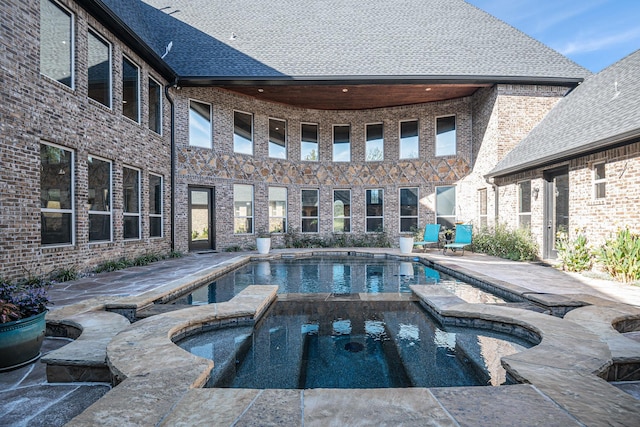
<point x="356" y="97"/>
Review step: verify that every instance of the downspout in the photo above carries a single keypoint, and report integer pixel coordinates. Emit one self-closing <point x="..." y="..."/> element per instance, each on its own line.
<point x="173" y="162"/>
<point x="496" y="203"/>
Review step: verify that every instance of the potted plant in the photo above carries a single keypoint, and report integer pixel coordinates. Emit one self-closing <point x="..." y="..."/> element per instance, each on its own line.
<point x="22" y="321"/>
<point x="263" y="242"/>
<point x="406" y="243"/>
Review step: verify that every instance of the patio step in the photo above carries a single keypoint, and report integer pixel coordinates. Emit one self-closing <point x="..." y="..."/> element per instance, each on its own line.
<point x="85" y="359"/>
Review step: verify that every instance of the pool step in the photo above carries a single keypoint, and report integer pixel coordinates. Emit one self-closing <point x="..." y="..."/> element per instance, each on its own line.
<point x="85" y="359"/>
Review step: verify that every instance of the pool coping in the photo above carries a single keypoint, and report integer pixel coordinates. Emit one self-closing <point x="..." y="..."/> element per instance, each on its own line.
<point x="565" y="367"/>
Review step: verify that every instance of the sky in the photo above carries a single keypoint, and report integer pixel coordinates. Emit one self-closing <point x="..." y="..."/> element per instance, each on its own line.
<point x="593" y="33"/>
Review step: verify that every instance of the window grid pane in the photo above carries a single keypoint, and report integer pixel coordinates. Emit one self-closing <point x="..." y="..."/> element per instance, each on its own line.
<point x="408" y="209"/>
<point x="341" y="144"/>
<point x="99" y="200"/>
<point x="155" y="206"/>
<point x="374" y="211"/>
<point x="446" y="206"/>
<point x="131" y="203"/>
<point x="309" y="142"/>
<point x="243" y="209"/>
<point x="524" y="204"/>
<point x="99" y="70"/>
<point x="56" y="195"/>
<point x="277" y="209"/>
<point x="309" y="211"/>
<point x="375" y="143"/>
<point x="446" y="136"/>
<point x="56" y="43"/>
<point x="242" y="133"/>
<point x="130" y="90"/>
<point x="199" y="124"/>
<point x="277" y="139"/>
<point x="599" y="181"/>
<point x="341" y="211"/>
<point x="409" y="140"/>
<point x="155" y="106"/>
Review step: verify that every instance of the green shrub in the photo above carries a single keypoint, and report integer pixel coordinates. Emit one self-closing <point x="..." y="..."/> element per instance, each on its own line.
<point x="621" y="256"/>
<point x="65" y="274"/>
<point x="113" y="265"/>
<point x="517" y="245"/>
<point x="574" y="254"/>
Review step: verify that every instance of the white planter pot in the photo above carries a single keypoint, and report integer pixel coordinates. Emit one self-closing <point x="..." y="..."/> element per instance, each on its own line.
<point x="263" y="244"/>
<point x="406" y="245"/>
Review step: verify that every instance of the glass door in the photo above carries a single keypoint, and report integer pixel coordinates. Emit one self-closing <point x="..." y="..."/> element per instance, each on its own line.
<point x="556" y="208"/>
<point x="201" y="234"/>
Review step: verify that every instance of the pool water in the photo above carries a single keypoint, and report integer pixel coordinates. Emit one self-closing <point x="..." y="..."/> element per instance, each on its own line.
<point x="351" y="344"/>
<point x="333" y="275"/>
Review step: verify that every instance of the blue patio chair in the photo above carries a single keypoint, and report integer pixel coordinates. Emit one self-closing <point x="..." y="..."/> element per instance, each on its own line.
<point x="462" y="239"/>
<point x="431" y="235"/>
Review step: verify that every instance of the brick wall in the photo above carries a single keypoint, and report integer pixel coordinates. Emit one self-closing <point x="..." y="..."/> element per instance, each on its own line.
<point x="36" y="109"/>
<point x="598" y="219"/>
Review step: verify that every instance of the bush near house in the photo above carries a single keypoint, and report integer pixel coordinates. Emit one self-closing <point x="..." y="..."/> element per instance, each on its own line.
<point x="620" y="256"/>
<point x="501" y="241"/>
<point x="574" y="254"/>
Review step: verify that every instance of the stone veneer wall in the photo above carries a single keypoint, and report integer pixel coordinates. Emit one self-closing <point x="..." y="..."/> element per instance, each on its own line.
<point x="36" y="109"/>
<point x="598" y="219"/>
<point x="484" y="134"/>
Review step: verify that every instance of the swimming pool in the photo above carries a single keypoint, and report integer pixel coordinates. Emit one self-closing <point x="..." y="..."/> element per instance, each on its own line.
<point x="333" y="275"/>
<point x="316" y="343"/>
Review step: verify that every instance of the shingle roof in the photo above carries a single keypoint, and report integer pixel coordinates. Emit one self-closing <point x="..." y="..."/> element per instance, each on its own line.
<point x="337" y="38"/>
<point x="603" y="110"/>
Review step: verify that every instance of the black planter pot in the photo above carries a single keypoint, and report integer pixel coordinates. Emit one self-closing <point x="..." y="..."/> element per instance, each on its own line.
<point x="20" y="341"/>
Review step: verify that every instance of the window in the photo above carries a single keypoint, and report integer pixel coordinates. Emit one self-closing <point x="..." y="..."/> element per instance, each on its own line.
<point x="374" y="147"/>
<point x="56" y="42"/>
<point x="99" y="200"/>
<point x="599" y="181"/>
<point x="374" y="211"/>
<point x="131" y="205"/>
<point x="99" y="72"/>
<point x="409" y="143"/>
<point x="130" y="90"/>
<point x="341" y="143"/>
<point x="309" y="211"/>
<point x="446" y="206"/>
<point x="56" y="195"/>
<point x="242" y="209"/>
<point x="199" y="124"/>
<point x="408" y="209"/>
<point x="482" y="207"/>
<point x="155" y="106"/>
<point x="524" y="204"/>
<point x="446" y="136"/>
<point x="277" y="139"/>
<point x="155" y="205"/>
<point x="242" y="133"/>
<point x="277" y="209"/>
<point x="309" y="143"/>
<point x="341" y="211"/>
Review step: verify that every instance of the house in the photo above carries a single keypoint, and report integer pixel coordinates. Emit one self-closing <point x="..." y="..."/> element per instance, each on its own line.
<point x="130" y="127"/>
<point x="578" y="170"/>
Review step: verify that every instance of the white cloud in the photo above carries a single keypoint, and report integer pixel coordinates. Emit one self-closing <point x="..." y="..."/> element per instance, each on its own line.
<point x="598" y="42"/>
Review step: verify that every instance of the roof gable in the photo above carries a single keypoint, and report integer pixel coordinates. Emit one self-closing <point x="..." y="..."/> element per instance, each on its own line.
<point x="603" y="110"/>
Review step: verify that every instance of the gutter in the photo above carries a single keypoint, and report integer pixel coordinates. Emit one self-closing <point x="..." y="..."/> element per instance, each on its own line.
<point x="610" y="142"/>
<point x="283" y="80"/>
